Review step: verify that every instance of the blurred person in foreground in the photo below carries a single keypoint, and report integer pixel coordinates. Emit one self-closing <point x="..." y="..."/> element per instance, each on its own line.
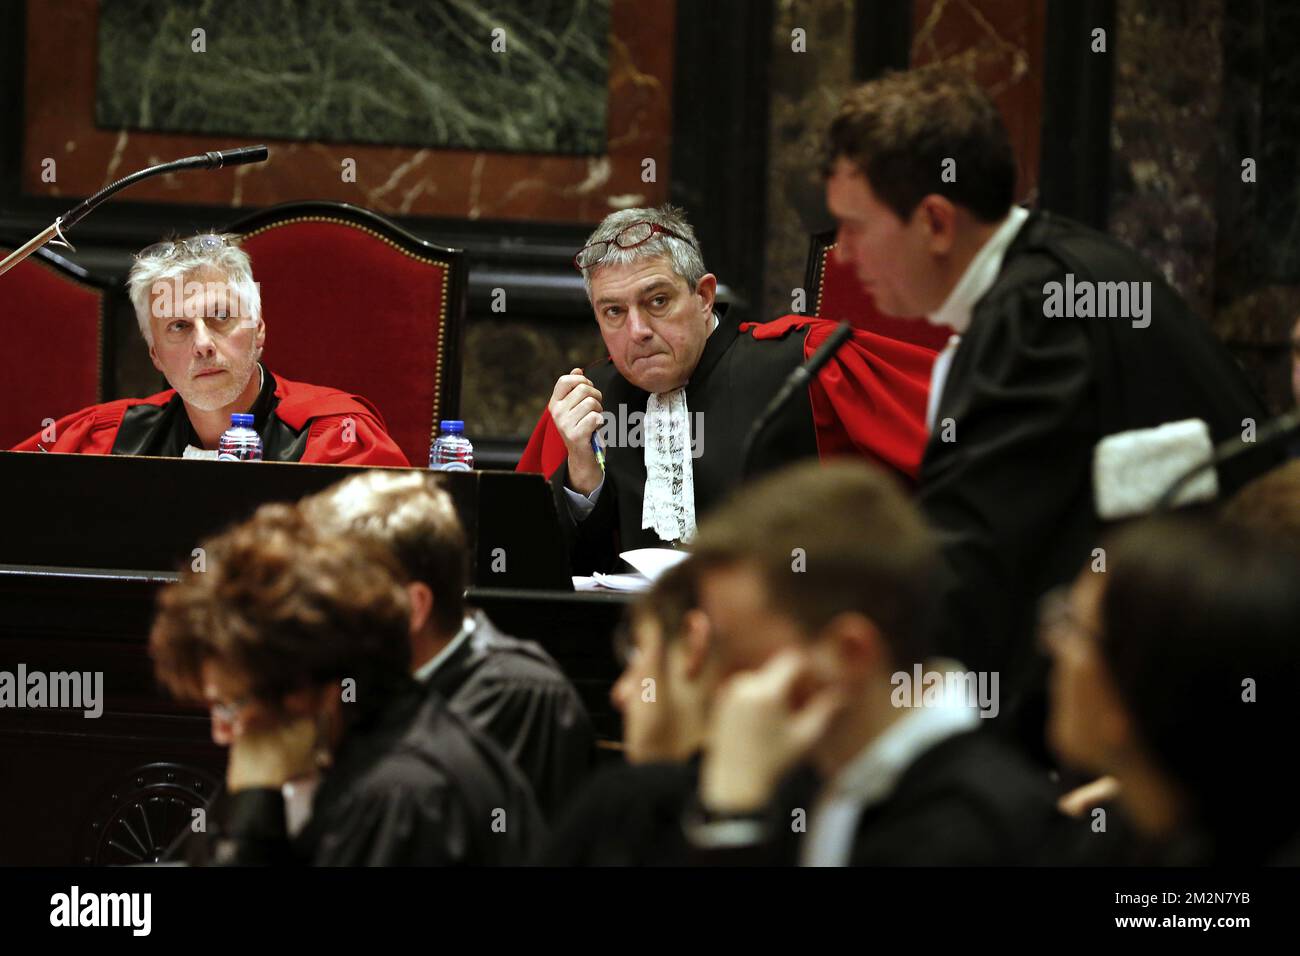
<point x="845" y="741"/>
<point x="630" y="814"/>
<point x="511" y="689"/>
<point x="299" y="644"/>
<point x="1173" y="673"/>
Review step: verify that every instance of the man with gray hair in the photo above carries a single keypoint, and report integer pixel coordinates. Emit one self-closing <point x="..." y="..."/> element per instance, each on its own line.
<point x="639" y="444"/>
<point x="200" y="313"/>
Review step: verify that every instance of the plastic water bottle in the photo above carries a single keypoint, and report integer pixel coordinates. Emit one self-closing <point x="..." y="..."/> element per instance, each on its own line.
<point x="239" y="442"/>
<point x="452" y="450"/>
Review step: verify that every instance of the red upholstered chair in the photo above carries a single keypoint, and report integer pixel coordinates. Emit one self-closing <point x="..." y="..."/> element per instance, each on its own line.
<point x="835" y="293"/>
<point x="57" y="354"/>
<point x="354" y="302"/>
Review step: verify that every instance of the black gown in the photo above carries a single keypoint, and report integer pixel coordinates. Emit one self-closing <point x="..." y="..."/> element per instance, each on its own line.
<point x="1030" y="396"/>
<point x="516" y="693"/>
<point x="417" y="785"/>
<point x="736" y="377"/>
<point x="627" y="815"/>
<point x="970" y="800"/>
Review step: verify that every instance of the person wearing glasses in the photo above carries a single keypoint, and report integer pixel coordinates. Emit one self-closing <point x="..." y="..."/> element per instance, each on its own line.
<point x="1173" y="674"/>
<point x="629" y="813"/>
<point x="200" y="314"/>
<point x="639" y="444"/>
<point x="297" y="640"/>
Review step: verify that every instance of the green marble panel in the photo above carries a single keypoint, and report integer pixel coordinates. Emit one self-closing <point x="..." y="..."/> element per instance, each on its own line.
<point x="399" y="72"/>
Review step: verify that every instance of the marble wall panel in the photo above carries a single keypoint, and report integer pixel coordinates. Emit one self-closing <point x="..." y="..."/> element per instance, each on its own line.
<point x="1000" y="44"/>
<point x="471" y="183"/>
<point x="1202" y="86"/>
<point x="469" y="74"/>
<point x="806" y="90"/>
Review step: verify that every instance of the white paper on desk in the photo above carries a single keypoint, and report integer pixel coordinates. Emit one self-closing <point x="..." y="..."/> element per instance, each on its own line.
<point x="653" y="562"/>
<point x="623" y="582"/>
<point x="611" y="582"/>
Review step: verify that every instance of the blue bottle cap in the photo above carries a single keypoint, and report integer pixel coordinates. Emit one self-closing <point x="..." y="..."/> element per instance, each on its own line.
<point x="451" y="427"/>
<point x="241" y="420"/>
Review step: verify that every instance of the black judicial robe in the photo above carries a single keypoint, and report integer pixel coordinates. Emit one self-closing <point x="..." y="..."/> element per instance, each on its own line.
<point x="969" y="800"/>
<point x="735" y="379"/>
<point x="514" y="692"/>
<point x="416" y="785"/>
<point x="1122" y="844"/>
<point x="1030" y="396"/>
<point x="627" y="815"/>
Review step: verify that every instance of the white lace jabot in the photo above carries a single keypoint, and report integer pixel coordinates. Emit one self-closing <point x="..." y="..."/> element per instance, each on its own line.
<point x="669" y="505"/>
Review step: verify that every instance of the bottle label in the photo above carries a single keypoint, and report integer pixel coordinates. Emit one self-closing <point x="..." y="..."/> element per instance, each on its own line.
<point x="240" y="454"/>
<point x="455" y="466"/>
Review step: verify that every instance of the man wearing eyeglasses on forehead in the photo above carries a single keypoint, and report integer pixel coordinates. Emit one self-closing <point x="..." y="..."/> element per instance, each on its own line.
<point x="200" y="313"/>
<point x="638" y="444"/>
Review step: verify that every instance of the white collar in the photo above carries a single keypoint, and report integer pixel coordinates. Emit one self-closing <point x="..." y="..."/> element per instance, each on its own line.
<point x="429" y="667"/>
<point x="872" y="775"/>
<point x="980" y="274"/>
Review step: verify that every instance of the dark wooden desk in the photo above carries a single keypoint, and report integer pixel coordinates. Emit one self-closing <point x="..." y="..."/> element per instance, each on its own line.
<point x="113" y="789"/>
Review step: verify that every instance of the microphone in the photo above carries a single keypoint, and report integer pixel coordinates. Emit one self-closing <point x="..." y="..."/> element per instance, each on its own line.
<point x="796" y="380"/>
<point x="216" y="159"/>
<point x="236" y="157"/>
<point x="1274" y="432"/>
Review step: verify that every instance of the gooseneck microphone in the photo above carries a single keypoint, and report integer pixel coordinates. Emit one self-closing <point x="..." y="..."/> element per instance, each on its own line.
<point x="1271" y="433"/>
<point x="796" y="380"/>
<point x="216" y="159"/>
<point x="239" y="156"/>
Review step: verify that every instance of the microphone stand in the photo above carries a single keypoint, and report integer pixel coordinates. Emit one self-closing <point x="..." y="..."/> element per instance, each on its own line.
<point x="1229" y="449"/>
<point x="797" y="379"/>
<point x="215" y="159"/>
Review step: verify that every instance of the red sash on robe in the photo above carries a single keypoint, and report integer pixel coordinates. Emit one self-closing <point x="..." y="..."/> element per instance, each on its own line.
<point x="93" y="430"/>
<point x="869" y="400"/>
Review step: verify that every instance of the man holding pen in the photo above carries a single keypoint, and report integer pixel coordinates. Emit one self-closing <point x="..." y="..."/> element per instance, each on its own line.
<point x="671" y="406"/>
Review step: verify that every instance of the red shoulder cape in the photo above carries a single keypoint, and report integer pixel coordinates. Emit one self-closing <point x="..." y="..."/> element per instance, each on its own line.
<point x="92" y="430"/>
<point x="869" y="400"/>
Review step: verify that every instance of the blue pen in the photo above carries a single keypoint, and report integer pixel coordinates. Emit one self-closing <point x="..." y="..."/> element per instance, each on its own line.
<point x="600" y="452"/>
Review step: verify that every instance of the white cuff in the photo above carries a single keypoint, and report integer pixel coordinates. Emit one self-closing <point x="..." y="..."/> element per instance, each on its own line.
<point x="725" y="833"/>
<point x="580" y="505"/>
